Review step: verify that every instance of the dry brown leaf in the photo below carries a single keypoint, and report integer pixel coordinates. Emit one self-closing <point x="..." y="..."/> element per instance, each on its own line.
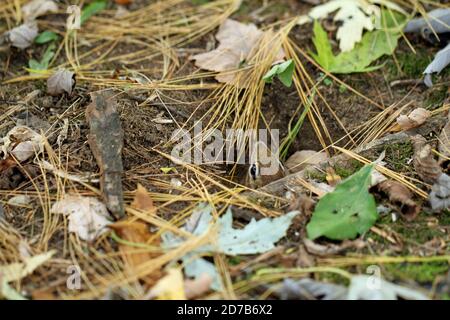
<point x="197" y="287"/>
<point x="302" y="159"/>
<point x="400" y="196"/>
<point x="133" y="256"/>
<point x="23" y="36"/>
<point x="60" y="82"/>
<point x="415" y="118"/>
<point x="142" y="200"/>
<point x="426" y="166"/>
<point x="37" y="8"/>
<point x="238" y="42"/>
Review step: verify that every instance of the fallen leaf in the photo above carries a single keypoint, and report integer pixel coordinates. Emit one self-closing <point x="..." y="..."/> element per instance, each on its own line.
<point x="19" y="270"/>
<point x="237" y="43"/>
<point x="197" y="287"/>
<point x="373" y="45"/>
<point x="436" y="21"/>
<point x="440" y="193"/>
<point x="37" y="8"/>
<point x="400" y="196"/>
<point x="19" y="200"/>
<point x="8" y="292"/>
<point x="92" y="9"/>
<point x="136" y="233"/>
<point x="46" y="36"/>
<point x="142" y="200"/>
<point x="427" y="168"/>
<point x="415" y="118"/>
<point x="282" y="71"/>
<point x="170" y="287"/>
<point x="302" y="159"/>
<point x="256" y="237"/>
<point x="61" y="81"/>
<point x="88" y="217"/>
<point x="23" y="36"/>
<point x="355" y="17"/>
<point x="440" y="61"/>
<point x="347" y="211"/>
<point x="22" y="142"/>
<point x="308" y="289"/>
<point x="364" y="287"/>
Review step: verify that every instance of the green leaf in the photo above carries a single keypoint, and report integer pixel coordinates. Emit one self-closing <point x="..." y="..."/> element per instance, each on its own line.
<point x="374" y="44"/>
<point x="92" y="9"/>
<point x="46" y="36"/>
<point x="347" y="211"/>
<point x="283" y="71"/>
<point x="45" y="61"/>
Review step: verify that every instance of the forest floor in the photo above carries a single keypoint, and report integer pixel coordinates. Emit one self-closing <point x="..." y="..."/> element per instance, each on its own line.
<point x="142" y="58"/>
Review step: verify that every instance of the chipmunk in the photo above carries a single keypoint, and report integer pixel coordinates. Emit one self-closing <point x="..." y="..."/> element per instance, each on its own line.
<point x="266" y="167"/>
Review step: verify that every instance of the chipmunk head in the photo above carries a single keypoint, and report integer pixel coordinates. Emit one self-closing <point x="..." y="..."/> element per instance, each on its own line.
<point x="263" y="168"/>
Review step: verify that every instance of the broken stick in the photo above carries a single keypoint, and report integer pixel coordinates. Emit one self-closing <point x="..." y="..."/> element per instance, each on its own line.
<point x="106" y="143"/>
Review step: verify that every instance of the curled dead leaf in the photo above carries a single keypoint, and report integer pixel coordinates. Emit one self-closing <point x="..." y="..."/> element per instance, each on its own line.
<point x="414" y="119"/>
<point x="400" y="196"/>
<point x="60" y="82"/>
<point x="23" y="36"/>
<point x="22" y="142"/>
<point x="426" y="166"/>
<point x="37" y="8"/>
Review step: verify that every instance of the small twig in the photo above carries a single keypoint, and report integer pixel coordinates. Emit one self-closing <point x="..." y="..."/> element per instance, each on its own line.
<point x="406" y="82"/>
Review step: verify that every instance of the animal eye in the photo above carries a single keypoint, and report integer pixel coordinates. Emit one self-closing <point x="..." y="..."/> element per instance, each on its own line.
<point x="254" y="172"/>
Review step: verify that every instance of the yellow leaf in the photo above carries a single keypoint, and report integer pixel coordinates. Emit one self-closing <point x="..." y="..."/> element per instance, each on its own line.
<point x="170" y="287"/>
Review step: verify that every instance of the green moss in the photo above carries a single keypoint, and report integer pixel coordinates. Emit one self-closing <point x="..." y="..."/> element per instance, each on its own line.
<point x="331" y="277"/>
<point x="420" y="272"/>
<point x="411" y="64"/>
<point x="436" y="97"/>
<point x="351" y="167"/>
<point x="414" y="232"/>
<point x="317" y="176"/>
<point x="398" y="155"/>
